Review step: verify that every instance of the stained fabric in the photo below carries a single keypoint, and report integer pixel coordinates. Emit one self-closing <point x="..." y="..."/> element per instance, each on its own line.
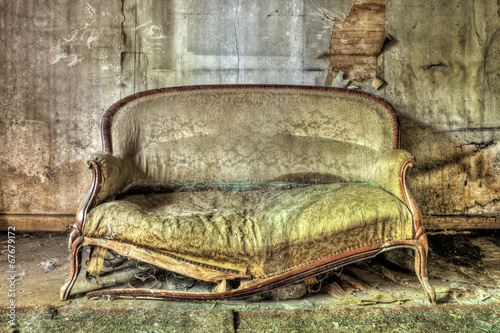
<point x="254" y="180"/>
<point x="241" y="135"/>
<point x="385" y="172"/>
<point x="260" y="231"/>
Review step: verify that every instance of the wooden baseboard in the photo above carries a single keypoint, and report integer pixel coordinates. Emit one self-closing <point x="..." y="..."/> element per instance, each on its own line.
<point x="461" y="222"/>
<point x="36" y="222"/>
<point x="33" y="222"/>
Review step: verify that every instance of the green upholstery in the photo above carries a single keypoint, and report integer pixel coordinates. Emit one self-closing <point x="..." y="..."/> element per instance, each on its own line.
<point x="244" y="135"/>
<point x="385" y="172"/>
<point x="259" y="231"/>
<point x="254" y="180"/>
<point x="117" y="175"/>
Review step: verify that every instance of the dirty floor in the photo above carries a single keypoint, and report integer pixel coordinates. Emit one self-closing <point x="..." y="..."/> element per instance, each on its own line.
<point x="379" y="295"/>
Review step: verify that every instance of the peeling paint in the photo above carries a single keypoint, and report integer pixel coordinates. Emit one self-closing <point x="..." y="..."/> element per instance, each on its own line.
<point x="357" y="41"/>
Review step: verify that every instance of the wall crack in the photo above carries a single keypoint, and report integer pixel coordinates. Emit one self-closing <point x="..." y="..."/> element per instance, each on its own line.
<point x="479" y="146"/>
<point x="236" y="41"/>
<point x="439" y="64"/>
<point x="123" y="22"/>
<point x="474" y="23"/>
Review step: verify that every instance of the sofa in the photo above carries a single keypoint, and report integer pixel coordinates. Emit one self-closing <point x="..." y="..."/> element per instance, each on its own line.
<point x="261" y="185"/>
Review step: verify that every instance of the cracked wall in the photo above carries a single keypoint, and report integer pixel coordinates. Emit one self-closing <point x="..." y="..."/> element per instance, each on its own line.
<point x="442" y="78"/>
<point x="64" y="63"/>
<point x="171" y="43"/>
<point x="58" y="74"/>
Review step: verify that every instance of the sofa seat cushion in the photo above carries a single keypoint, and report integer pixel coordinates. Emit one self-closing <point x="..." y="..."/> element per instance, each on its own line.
<point x="260" y="231"/>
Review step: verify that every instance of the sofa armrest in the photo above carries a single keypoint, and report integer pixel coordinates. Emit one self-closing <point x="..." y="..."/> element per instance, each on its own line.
<point x="387" y="173"/>
<point x="113" y="173"/>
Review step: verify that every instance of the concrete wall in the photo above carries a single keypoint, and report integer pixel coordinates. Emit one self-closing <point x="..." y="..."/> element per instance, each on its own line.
<point x="64" y="62"/>
<point x="443" y="77"/>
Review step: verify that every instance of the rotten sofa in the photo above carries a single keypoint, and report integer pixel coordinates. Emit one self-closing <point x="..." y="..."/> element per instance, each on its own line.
<point x="264" y="185"/>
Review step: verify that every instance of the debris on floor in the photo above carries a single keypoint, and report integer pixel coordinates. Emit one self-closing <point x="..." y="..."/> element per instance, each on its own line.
<point x="463" y="267"/>
<point x="49" y="265"/>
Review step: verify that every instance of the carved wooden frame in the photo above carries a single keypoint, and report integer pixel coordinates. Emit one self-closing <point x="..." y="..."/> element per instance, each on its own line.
<point x="252" y="286"/>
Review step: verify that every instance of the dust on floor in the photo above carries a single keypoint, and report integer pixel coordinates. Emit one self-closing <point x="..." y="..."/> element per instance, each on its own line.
<point x="464" y="268"/>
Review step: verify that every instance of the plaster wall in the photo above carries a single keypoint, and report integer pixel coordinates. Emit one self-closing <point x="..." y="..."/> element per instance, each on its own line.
<point x="64" y="62"/>
<point x="443" y="78"/>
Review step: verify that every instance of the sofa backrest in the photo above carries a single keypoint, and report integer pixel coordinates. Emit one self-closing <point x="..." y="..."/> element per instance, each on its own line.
<point x="251" y="133"/>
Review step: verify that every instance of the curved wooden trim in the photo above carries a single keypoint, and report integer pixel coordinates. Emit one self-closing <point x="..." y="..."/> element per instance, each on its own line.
<point x="90" y="200"/>
<point x="421" y="251"/>
<point x="76" y="238"/>
<point x="421" y="244"/>
<point x="111" y="111"/>
<point x="407" y="196"/>
<point x="259" y="286"/>
<point x="75" y="265"/>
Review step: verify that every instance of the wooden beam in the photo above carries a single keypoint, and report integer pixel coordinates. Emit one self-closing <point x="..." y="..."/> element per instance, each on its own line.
<point x="461" y="222"/>
<point x="36" y="222"/>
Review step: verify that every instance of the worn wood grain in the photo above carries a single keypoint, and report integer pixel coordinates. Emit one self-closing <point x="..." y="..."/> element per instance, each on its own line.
<point x="34" y="222"/>
<point x="357" y="41"/>
<point x="460" y="222"/>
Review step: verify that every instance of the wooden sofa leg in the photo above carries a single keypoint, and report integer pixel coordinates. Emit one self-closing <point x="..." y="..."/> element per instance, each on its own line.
<point x="421" y="250"/>
<point x="75" y="264"/>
